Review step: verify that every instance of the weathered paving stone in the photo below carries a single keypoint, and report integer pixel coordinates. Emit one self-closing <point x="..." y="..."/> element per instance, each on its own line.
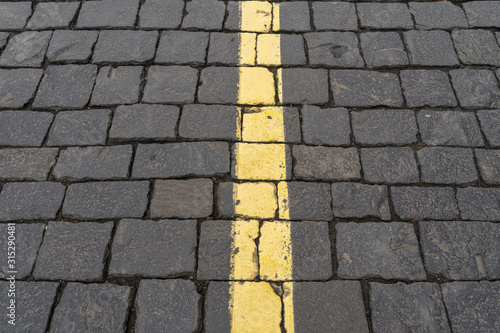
<point x="86" y="127"/>
<point x="224" y="48"/>
<point x="206" y="122"/>
<point x="376" y="249"/>
<point x="217" y="315"/>
<point x="262" y="206"/>
<point x="384" y="127"/>
<point x="359" y="200"/>
<point x="472" y="306"/>
<point x="71" y="46"/>
<point x="461" y="250"/>
<point x="181" y="159"/>
<point x="26" y="49"/>
<point x="326" y="126"/>
<point x="13" y="15"/>
<point x="427" y="87"/>
<point x="18" y="86"/>
<point x="384" y="16"/>
<point x="326" y="163"/>
<point x="308" y="201"/>
<point x="28" y="239"/>
<point x="204" y="14"/>
<point x="291" y="50"/>
<point x="437" y="15"/>
<point x="30" y="201"/>
<point x="430" y="48"/>
<point x="476" y="88"/>
<point x="102" y="200"/>
<point x="172" y="84"/>
<point x="466" y="42"/>
<point x="67" y="86"/>
<point x="262" y="10"/>
<point x="96" y="307"/>
<point x="125" y="46"/>
<point x="293" y="16"/>
<point x="219" y="85"/>
<point x="383" y="49"/>
<point x="161" y="14"/>
<point x="489" y="165"/>
<point x="144" y="122"/>
<point x="482" y="14"/>
<point x="443" y="165"/>
<point x="118" y="85"/>
<point x="33" y="305"/>
<point x="304" y="85"/>
<point x="449" y="128"/>
<point x="404" y="307"/>
<point x="182" y="47"/>
<point x="73" y="251"/>
<point x="192" y="198"/>
<point x="335" y="16"/>
<point x="424" y="202"/>
<point x="481" y="204"/>
<point x="27" y="163"/>
<point x="333" y="49"/>
<point x="155" y="312"/>
<point x="389" y="165"/>
<point x="3" y="39"/>
<point x="108" y="14"/>
<point x="365" y="88"/>
<point x="165" y="248"/>
<point x="50" y="15"/>
<point x="333" y="306"/>
<point x="490" y="123"/>
<point x="259" y="124"/>
<point x="80" y="163"/>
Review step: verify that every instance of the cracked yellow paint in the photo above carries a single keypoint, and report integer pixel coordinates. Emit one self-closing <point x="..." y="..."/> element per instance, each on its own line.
<point x="288" y="307"/>
<point x="256" y="86"/>
<point x="268" y="50"/>
<point x="283" y="203"/>
<point x="256" y="161"/>
<point x="255" y="16"/>
<point x="244" y="250"/>
<point x="264" y="125"/>
<point x="248" y="43"/>
<point x="255" y="200"/>
<point x="275" y="251"/>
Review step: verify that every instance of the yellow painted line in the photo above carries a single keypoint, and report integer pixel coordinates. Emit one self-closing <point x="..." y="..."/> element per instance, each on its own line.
<point x="283" y="203"/>
<point x="244" y="250"/>
<point x="275" y="251"/>
<point x="288" y="307"/>
<point x="270" y="43"/>
<point x="256" y="161"/>
<point x="264" y="125"/>
<point x="255" y="200"/>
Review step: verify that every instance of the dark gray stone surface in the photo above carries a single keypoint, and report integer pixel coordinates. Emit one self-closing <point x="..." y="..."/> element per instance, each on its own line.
<point x="18" y="86"/>
<point x="13" y="15"/>
<point x="108" y="14"/>
<point x="292" y="50"/>
<point x="438" y="15"/>
<point x="207" y="122"/>
<point x="430" y="48"/>
<point x="161" y="14"/>
<point x="27" y="163"/>
<point x="427" y="88"/>
<point x="424" y="202"/>
<point x="117" y="85"/>
<point x="334" y="16"/>
<point x="383" y="49"/>
<point x="217" y="314"/>
<point x="333" y="49"/>
<point x="309" y="201"/>
<point x="489" y="162"/>
<point x="182" y="47"/>
<point x="325" y="126"/>
<point x="52" y="15"/>
<point x="224" y="48"/>
<point x="293" y="16"/>
<point x="120" y="46"/>
<point x="482" y="14"/>
<point x="165" y="248"/>
<point x="490" y="124"/>
<point x="359" y="200"/>
<point x="476" y="88"/>
<point x="385" y="250"/>
<point x="477" y="203"/>
<point x="384" y="16"/>
<point x="443" y="165"/>
<point x="172" y="84"/>
<point x="477" y="47"/>
<point x="73" y="251"/>
<point x="3" y="39"/>
<point x="389" y="165"/>
<point x="256" y="128"/>
<point x="26" y="49"/>
<point x="304" y="85"/>
<point x="204" y="14"/>
<point x="71" y="46"/>
<point x="218" y="85"/>
<point x="24" y="128"/>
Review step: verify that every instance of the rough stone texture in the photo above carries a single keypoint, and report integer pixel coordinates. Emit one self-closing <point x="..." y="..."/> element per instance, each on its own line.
<point x="461" y="250"/>
<point x="3" y="39"/>
<point x="119" y="85"/>
<point x="304" y="85"/>
<point x="291" y="50"/>
<point x="13" y="15"/>
<point x="389" y="165"/>
<point x="125" y="45"/>
<point x="401" y="307"/>
<point x="364" y="88"/>
<point x="108" y="14"/>
<point x="106" y="200"/>
<point x="30" y="201"/>
<point x="165" y="248"/>
<point x="384" y="127"/>
<point x="424" y="202"/>
<point x="18" y="86"/>
<point x="262" y="130"/>
<point x="53" y="15"/>
<point x="479" y="203"/>
<point x="263" y="206"/>
<point x="182" y="47"/>
<point x="476" y="88"/>
<point x="161" y="14"/>
<point x="167" y="306"/>
<point x="489" y="162"/>
<point x="482" y="14"/>
<point x="490" y="124"/>
<point x="325" y="126"/>
<point x="71" y="46"/>
<point x="427" y="87"/>
<point x="326" y="163"/>
<point x="438" y="15"/>
<point x="334" y="49"/>
<point x="204" y="14"/>
<point x="24" y="128"/>
<point x="26" y="49"/>
<point x="359" y="200"/>
<point x="224" y="48"/>
<point x="79" y="128"/>
<point x="217" y="315"/>
<point x="449" y="128"/>
<point x="173" y="84"/>
<point x="192" y="198"/>
<point x="27" y="163"/>
<point x="443" y="165"/>
<point x="430" y="48"/>
<point x="73" y="251"/>
<point x="384" y="16"/>
<point x="78" y="163"/>
<point x="218" y="85"/>
<point x="334" y="16"/>
<point x="309" y="201"/>
<point x="383" y="49"/>
<point x="97" y="307"/>
<point x="477" y="47"/>
<point x="206" y="122"/>
<point x="293" y="16"/>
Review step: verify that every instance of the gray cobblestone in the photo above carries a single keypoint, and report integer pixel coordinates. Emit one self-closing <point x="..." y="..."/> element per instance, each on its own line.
<point x="53" y="15"/>
<point x="334" y="49"/>
<point x="481" y="204"/>
<point x="27" y="163"/>
<point x="467" y="41"/>
<point x="381" y="49"/>
<point x="424" y="202"/>
<point x="291" y="50"/>
<point x="354" y="200"/>
<point x="443" y="165"/>
<point x="476" y="88"/>
<point x="490" y="123"/>
<point x="482" y="14"/>
<point x="430" y="48"/>
<point x="182" y="47"/>
<point x="172" y="84"/>
<point x="219" y="85"/>
<point x="108" y="14"/>
<point x="427" y="87"/>
<point x="438" y="15"/>
<point x="206" y="122"/>
<point x="204" y="14"/>
<point x="128" y="46"/>
<point x="13" y="15"/>
<point x="26" y="49"/>
<point x="291" y="125"/>
<point x="3" y="39"/>
<point x="326" y="126"/>
<point x="24" y="128"/>
<point x="71" y="46"/>
<point x="293" y="16"/>
<point x="389" y="165"/>
<point x="217" y="314"/>
<point x="384" y="16"/>
<point x="18" y="86"/>
<point x="224" y="48"/>
<point x="335" y="16"/>
<point x="161" y="14"/>
<point x="304" y="85"/>
<point x="117" y="85"/>
<point x="489" y="162"/>
<point x="309" y="201"/>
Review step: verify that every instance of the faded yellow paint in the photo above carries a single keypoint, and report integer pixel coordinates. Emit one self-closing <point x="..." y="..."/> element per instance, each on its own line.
<point x="276" y="17"/>
<point x="255" y="16"/>
<point x="279" y="85"/>
<point x="256" y="161"/>
<point x="275" y="251"/>
<point x="283" y="202"/>
<point x="248" y="51"/>
<point x="268" y="50"/>
<point x="255" y="200"/>
<point x="288" y="307"/>
<point x="244" y="264"/>
<point x="264" y="125"/>
<point x="256" y="86"/>
<point x="238" y="124"/>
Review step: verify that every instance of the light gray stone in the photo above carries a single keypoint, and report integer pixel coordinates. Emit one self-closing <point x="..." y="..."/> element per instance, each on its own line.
<point x="354" y="200"/>
<point x="27" y="163"/>
<point x="383" y="49"/>
<point x="477" y="47"/>
<point x="489" y="165"/>
<point x="427" y="88"/>
<point x="13" y="15"/>
<point x="490" y="124"/>
<point x="50" y="15"/>
<point x="444" y="165"/>
<point x="483" y="14"/>
<point x="18" y="86"/>
<point x="438" y="15"/>
<point x="108" y="14"/>
<point x="24" y="128"/>
<point x="117" y="85"/>
<point x="477" y="203"/>
<point x="71" y="46"/>
<point x="430" y="48"/>
<point x="424" y="203"/>
<point x="476" y="88"/>
<point x="26" y="49"/>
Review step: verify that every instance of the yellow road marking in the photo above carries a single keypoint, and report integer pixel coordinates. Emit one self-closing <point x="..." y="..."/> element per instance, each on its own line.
<point x="244" y="250"/>
<point x="275" y="251"/>
<point x="248" y="43"/>
<point x="283" y="203"/>
<point x="256" y="161"/>
<point x="255" y="200"/>
<point x="264" y="124"/>
<point x="288" y="307"/>
<point x="255" y="16"/>
<point x="272" y="46"/>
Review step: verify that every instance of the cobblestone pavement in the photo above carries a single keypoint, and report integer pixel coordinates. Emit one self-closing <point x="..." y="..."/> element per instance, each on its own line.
<point x="222" y="166"/>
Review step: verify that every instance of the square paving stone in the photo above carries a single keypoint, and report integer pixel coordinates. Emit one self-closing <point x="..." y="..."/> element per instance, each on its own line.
<point x="95" y="307"/>
<point x="293" y="16"/>
<point x="161" y="14"/>
<point x="182" y="47"/>
<point x="365" y="88"/>
<point x="449" y="128"/>
<point x="219" y="85"/>
<point x="291" y="50"/>
<point x="334" y="49"/>
<point x="108" y="14"/>
<point x="30" y="201"/>
<point x="73" y="251"/>
<point x="481" y="204"/>
<point x="33" y="305"/>
<point x="335" y="16"/>
<point x="443" y="165"/>
<point x="167" y="306"/>
<point x="165" y="248"/>
<point x="376" y="127"/>
<point x="476" y="88"/>
<point x="117" y="85"/>
<point x="389" y="165"/>
<point x="106" y="200"/>
<point x="483" y="14"/>
<point x="326" y="126"/>
<point x="437" y="15"/>
<point x="385" y="250"/>
<point x="427" y="88"/>
<point x="67" y="86"/>
<point x="472" y="306"/>
<point x="26" y="49"/>
<point x="24" y="128"/>
<point x="430" y="48"/>
<point x="404" y="307"/>
<point x="3" y="39"/>
<point x="477" y="47"/>
<point x="224" y="48"/>
<point x="13" y="15"/>
<point x="359" y="200"/>
<point x="384" y="16"/>
<point x="206" y="122"/>
<point x="144" y="122"/>
<point x="170" y="84"/>
<point x="307" y="201"/>
<point x="27" y="163"/>
<point x="81" y="163"/>
<point x="28" y="240"/>
<point x="128" y="46"/>
<point x="258" y="161"/>
<point x="489" y="165"/>
<point x="461" y="250"/>
<point x="79" y="128"/>
<point x="261" y="11"/>
<point x="71" y="46"/>
<point x="424" y="202"/>
<point x="260" y="125"/>
<point x="237" y="199"/>
<point x="304" y="85"/>
<point x="18" y="86"/>
<point x="191" y="198"/>
<point x="490" y="124"/>
<point x="50" y="15"/>
<point x="204" y="14"/>
<point x="383" y="49"/>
